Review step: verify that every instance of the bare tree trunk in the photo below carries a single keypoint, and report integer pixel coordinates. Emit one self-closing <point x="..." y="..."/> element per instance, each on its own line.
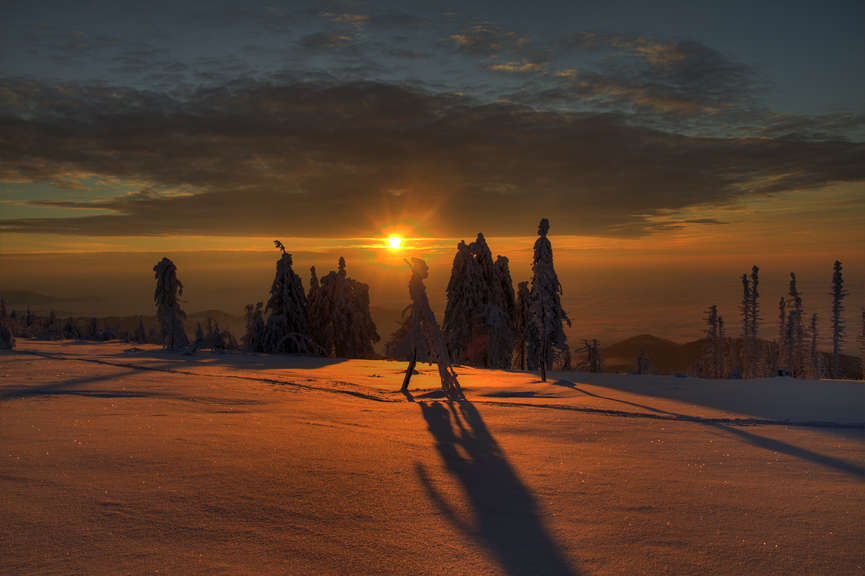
<point x="543" y="360"/>
<point x="408" y="372"/>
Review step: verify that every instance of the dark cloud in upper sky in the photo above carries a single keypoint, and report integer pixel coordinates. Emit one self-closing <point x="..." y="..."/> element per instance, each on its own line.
<point x="326" y="119"/>
<point x="332" y="159"/>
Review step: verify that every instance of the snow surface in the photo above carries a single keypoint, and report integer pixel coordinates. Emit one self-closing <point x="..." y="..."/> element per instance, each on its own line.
<point x="124" y="459"/>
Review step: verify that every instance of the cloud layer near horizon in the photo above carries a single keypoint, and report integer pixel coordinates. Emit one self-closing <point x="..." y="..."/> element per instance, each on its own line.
<point x="330" y="159"/>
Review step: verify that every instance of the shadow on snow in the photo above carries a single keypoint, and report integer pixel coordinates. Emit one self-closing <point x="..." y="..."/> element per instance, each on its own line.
<point x="508" y="518"/>
<point x="753" y="439"/>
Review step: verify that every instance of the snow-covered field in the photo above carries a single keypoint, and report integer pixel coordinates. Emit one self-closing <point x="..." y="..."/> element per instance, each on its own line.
<point x="122" y="460"/>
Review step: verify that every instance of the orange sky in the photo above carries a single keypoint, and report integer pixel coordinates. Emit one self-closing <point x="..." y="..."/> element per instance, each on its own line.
<point x="613" y="288"/>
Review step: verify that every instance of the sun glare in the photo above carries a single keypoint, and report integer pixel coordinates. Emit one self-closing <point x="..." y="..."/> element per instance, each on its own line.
<point x="394" y="242"/>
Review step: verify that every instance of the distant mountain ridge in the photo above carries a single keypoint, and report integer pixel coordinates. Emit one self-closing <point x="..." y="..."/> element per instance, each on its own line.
<point x="28" y="297"/>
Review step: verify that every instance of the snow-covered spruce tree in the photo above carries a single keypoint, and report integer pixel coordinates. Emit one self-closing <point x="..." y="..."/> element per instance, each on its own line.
<point x="504" y="288"/>
<point x="750" y="311"/>
<point x="51" y="328"/>
<point x="521" y="325"/>
<point x="94" y="330"/>
<point x="465" y="293"/>
<point x="70" y="329"/>
<point x="861" y="339"/>
<point x="713" y="350"/>
<point x="199" y="336"/>
<point x="838" y="294"/>
<point x="320" y="327"/>
<point x="781" y="348"/>
<point x="340" y="315"/>
<point x="479" y="316"/>
<point x="755" y="322"/>
<point x="168" y="312"/>
<point x="591" y="360"/>
<point x="214" y="338"/>
<point x="7" y="338"/>
<point x="425" y="333"/>
<point x="287" y="327"/>
<point x="643" y="364"/>
<point x="254" y="327"/>
<point x="546" y="307"/>
<point x="818" y="363"/>
<point x="801" y="364"/>
<point x="790" y="343"/>
<point x="745" y="309"/>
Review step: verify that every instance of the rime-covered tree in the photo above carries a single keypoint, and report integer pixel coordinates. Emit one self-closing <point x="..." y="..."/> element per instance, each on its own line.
<point x="861" y="339"/>
<point x="750" y="320"/>
<point x="465" y="292"/>
<point x="790" y="343"/>
<point x="320" y="328"/>
<point x="479" y="316"/>
<point x="781" y="351"/>
<point x="51" y="328"/>
<point x="644" y="365"/>
<point x="522" y="322"/>
<point x="254" y="327"/>
<point x="713" y="348"/>
<point x="818" y="367"/>
<point x="94" y="330"/>
<point x="425" y="333"/>
<point x="546" y="307"/>
<point x="71" y="330"/>
<point x="503" y="335"/>
<point x="794" y="303"/>
<point x="340" y="315"/>
<point x="168" y="312"/>
<point x="199" y="336"/>
<point x="287" y="327"/>
<point x="7" y="338"/>
<point x="838" y="294"/>
<point x="591" y="360"/>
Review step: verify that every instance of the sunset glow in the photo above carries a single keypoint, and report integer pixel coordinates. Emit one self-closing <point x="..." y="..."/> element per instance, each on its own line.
<point x="669" y="157"/>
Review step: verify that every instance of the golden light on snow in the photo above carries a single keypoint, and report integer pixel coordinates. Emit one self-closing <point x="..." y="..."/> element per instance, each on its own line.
<point x="394" y="242"/>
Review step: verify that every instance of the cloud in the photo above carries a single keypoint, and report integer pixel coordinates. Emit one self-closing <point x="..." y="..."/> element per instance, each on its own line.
<point x="488" y="39"/>
<point x="323" y="159"/>
<point x="660" y="76"/>
<point x="323" y="41"/>
<point x="517" y="67"/>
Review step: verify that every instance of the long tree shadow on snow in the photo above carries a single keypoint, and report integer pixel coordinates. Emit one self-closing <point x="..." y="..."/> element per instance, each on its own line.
<point x="508" y="519"/>
<point x="753" y="439"/>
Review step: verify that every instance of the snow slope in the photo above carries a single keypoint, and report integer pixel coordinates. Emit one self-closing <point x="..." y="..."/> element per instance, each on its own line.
<point x="121" y="460"/>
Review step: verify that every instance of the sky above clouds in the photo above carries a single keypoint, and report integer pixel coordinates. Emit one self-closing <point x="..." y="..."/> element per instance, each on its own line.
<point x="672" y="124"/>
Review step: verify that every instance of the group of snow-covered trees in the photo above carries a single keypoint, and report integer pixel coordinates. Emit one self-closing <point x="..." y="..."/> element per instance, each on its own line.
<point x="795" y="348"/>
<point x="32" y="325"/>
<point x="488" y="324"/>
<point x="333" y="319"/>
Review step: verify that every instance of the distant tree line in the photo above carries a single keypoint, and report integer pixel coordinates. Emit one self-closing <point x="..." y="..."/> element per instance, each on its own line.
<point x="486" y="322"/>
<point x="793" y="351"/>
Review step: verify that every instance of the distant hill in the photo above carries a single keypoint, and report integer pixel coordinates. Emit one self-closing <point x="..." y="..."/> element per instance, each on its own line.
<point x="668" y="357"/>
<point x="665" y="356"/>
<point x="28" y="298"/>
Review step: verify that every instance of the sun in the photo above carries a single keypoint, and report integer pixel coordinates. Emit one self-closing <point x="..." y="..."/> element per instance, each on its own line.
<point x="394" y="242"/>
